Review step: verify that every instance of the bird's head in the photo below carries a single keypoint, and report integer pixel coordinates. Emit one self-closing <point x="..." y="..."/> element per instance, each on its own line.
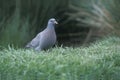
<point x="52" y="21"/>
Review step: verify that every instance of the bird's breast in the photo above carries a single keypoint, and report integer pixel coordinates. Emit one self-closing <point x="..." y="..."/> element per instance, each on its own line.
<point x="48" y="39"/>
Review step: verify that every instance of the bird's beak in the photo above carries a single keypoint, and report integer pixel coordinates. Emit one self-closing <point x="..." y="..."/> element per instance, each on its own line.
<point x="56" y="22"/>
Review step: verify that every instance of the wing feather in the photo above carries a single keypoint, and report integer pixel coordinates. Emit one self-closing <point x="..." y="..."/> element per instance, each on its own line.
<point x="35" y="42"/>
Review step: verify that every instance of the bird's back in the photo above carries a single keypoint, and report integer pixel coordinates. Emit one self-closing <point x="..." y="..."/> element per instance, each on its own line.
<point x="34" y="42"/>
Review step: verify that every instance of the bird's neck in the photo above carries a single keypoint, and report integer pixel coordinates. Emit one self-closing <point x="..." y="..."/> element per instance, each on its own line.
<point x="50" y="26"/>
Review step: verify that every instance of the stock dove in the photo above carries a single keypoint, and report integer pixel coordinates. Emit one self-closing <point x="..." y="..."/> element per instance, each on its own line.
<point x="44" y="39"/>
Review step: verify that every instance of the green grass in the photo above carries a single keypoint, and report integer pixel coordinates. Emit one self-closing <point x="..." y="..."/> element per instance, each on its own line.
<point x="99" y="61"/>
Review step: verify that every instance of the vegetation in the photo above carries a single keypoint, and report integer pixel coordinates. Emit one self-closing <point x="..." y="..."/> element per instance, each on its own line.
<point x="21" y="20"/>
<point x="99" y="61"/>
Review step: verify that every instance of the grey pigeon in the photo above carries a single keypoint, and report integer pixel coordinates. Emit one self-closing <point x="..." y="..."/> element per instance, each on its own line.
<point x="44" y="39"/>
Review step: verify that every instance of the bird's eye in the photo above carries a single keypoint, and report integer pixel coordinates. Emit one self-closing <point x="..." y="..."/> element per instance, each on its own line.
<point x="52" y="20"/>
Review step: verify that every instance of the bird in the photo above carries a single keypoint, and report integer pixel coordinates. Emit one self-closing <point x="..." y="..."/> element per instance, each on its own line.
<point x="46" y="38"/>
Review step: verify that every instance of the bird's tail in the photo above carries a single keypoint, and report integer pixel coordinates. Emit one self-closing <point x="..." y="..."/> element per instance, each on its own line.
<point x="28" y="46"/>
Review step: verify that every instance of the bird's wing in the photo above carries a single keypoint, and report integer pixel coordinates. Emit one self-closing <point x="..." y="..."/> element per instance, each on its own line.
<point x="35" y="42"/>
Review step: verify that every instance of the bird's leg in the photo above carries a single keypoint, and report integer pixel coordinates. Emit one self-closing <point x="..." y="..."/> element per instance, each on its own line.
<point x="38" y="48"/>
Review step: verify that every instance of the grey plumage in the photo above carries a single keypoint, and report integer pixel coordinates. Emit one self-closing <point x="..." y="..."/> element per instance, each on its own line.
<point x="44" y="39"/>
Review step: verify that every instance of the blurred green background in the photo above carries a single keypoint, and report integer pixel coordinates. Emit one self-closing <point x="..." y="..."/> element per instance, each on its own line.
<point x="80" y="21"/>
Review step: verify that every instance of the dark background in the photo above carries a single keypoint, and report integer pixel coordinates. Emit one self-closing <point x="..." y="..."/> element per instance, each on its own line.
<point x="80" y="21"/>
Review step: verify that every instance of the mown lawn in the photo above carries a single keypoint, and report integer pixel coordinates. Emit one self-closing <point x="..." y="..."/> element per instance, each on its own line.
<point x="99" y="61"/>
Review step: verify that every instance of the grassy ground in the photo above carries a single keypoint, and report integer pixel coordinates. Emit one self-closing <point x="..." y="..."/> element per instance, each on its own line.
<point x="99" y="61"/>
